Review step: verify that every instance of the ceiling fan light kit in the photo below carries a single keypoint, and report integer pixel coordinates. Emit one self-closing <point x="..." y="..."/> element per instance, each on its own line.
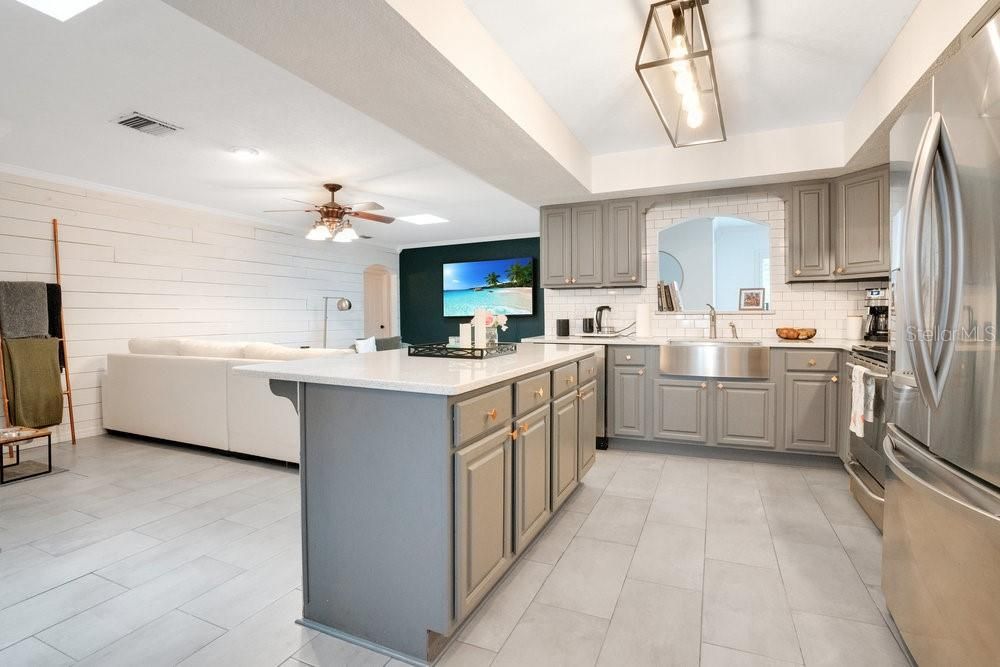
<point x="333" y="222"/>
<point x="677" y="69"/>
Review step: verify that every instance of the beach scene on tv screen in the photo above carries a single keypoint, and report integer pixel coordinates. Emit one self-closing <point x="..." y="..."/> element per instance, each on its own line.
<point x="501" y="285"/>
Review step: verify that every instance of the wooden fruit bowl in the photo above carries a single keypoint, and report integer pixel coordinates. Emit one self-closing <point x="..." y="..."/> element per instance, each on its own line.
<point x="793" y="333"/>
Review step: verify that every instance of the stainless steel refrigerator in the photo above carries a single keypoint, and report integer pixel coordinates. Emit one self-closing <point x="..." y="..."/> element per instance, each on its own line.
<point x="941" y="549"/>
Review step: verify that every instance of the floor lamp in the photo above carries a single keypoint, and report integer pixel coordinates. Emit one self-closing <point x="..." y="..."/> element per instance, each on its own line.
<point x="343" y="303"/>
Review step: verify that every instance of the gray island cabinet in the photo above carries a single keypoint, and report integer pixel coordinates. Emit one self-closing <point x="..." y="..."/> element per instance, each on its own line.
<point x="423" y="480"/>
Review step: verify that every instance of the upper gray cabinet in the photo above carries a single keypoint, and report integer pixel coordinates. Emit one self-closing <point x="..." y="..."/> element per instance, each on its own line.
<point x="809" y="232"/>
<point x="623" y="244"/>
<point x="861" y="229"/>
<point x="587" y="234"/>
<point x="592" y="244"/>
<point x="839" y="230"/>
<point x="556" y="247"/>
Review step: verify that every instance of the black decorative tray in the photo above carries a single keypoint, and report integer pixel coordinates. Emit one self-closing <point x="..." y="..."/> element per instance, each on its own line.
<point x="443" y="351"/>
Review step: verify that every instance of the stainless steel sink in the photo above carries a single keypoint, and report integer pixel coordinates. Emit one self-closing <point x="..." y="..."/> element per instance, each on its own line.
<point x="716" y="359"/>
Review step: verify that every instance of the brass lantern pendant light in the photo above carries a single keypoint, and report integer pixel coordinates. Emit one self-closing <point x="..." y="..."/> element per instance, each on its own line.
<point x="677" y="69"/>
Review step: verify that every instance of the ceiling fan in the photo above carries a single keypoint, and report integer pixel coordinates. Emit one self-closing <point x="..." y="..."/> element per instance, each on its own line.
<point x="333" y="220"/>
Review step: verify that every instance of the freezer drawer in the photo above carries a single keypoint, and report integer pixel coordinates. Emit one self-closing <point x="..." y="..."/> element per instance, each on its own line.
<point x="941" y="558"/>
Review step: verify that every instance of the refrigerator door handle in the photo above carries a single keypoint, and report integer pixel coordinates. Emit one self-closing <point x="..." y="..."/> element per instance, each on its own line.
<point x="913" y="316"/>
<point x="978" y="501"/>
<point x="950" y="194"/>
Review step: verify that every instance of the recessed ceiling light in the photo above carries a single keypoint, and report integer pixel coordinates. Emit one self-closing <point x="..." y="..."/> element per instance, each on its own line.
<point x="423" y="219"/>
<point x="62" y="10"/>
<point x="244" y="152"/>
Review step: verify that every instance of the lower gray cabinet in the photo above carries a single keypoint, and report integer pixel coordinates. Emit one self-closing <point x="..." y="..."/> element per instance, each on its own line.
<point x="745" y="414"/>
<point x="532" y="452"/>
<point x="811" y="412"/>
<point x="587" y="447"/>
<point x="565" y="441"/>
<point x="680" y="410"/>
<point x="483" y="490"/>
<point x="629" y="407"/>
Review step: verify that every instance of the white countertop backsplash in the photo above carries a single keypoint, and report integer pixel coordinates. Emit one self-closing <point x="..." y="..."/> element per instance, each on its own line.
<point x="823" y="306"/>
<point x="772" y="341"/>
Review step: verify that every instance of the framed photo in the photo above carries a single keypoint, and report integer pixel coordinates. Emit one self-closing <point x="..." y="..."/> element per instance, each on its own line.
<point x="752" y="298"/>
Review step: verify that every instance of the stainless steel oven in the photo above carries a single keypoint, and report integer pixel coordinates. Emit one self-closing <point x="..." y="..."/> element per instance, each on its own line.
<point x="867" y="466"/>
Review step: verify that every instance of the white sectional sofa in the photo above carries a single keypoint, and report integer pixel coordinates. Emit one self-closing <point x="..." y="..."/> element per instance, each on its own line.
<point x="185" y="390"/>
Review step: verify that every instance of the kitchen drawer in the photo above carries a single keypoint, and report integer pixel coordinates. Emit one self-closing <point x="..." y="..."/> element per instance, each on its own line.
<point x="811" y="360"/>
<point x="564" y="379"/>
<point x="588" y="369"/>
<point x="532" y="393"/>
<point x="629" y="356"/>
<point x="476" y="416"/>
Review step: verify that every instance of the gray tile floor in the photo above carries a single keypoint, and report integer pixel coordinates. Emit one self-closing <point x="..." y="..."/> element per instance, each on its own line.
<point x="158" y="555"/>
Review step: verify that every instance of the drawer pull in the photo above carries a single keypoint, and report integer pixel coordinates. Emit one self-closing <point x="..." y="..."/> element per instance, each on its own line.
<point x="628" y="357"/>
<point x="492" y="414"/>
<point x="539" y="392"/>
<point x="633" y="278"/>
<point x="513" y="434"/>
<point x="590" y="371"/>
<point x="570" y="380"/>
<point x="642" y="371"/>
<point x="566" y="281"/>
<point x="812" y="362"/>
<point x="834" y="379"/>
<point x="840" y="269"/>
<point x="704" y="385"/>
<point x="573" y="280"/>
<point x="524" y="427"/>
<point x="798" y="272"/>
<point x="719" y="386"/>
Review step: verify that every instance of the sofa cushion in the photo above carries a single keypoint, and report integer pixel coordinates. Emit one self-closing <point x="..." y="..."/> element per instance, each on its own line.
<point x="363" y="345"/>
<point x="210" y="348"/>
<point x="272" y="352"/>
<point x="154" y="346"/>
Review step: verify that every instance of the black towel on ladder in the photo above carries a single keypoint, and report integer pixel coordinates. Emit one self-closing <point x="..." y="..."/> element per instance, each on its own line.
<point x="53" y="294"/>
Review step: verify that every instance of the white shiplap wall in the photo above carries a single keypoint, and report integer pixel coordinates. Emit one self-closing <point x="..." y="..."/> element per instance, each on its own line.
<point x="134" y="267"/>
<point x="824" y="306"/>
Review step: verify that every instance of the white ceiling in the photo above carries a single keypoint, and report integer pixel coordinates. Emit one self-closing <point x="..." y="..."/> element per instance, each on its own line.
<point x="780" y="63"/>
<point x="72" y="78"/>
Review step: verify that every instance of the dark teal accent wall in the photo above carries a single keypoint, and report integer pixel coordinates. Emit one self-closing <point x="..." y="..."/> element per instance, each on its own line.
<point x="421" y="299"/>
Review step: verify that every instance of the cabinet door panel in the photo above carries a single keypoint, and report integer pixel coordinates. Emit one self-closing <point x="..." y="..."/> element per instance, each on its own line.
<point x="483" y="490"/>
<point x="587" y="448"/>
<point x="809" y="233"/>
<point x="565" y="440"/>
<point x="862" y="224"/>
<point x="556" y="248"/>
<point x="532" y="451"/>
<point x="624" y="241"/>
<point x="811" y="412"/>
<point x="587" y="245"/>
<point x="745" y="414"/>
<point x="680" y="410"/>
<point x="629" y="402"/>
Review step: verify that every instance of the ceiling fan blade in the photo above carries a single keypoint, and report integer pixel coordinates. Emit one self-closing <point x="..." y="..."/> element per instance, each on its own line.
<point x="371" y="216"/>
<point x="365" y="236"/>
<point x="299" y="201"/>
<point x="291" y="210"/>
<point x="365" y="206"/>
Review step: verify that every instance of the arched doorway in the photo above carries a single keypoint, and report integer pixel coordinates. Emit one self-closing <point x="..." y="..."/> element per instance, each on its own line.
<point x="380" y="301"/>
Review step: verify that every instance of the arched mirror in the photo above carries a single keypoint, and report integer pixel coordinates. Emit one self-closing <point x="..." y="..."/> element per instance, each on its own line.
<point x="712" y="259"/>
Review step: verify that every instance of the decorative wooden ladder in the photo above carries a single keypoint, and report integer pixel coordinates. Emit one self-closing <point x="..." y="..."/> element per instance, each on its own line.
<point x="68" y="391"/>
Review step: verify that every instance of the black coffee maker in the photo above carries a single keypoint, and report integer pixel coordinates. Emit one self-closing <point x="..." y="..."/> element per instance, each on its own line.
<point x="876" y="315"/>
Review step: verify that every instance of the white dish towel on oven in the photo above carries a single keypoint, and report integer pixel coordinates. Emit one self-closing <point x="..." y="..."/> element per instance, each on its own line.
<point x="862" y="399"/>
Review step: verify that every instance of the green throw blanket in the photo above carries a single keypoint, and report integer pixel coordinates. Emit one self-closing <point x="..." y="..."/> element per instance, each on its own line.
<point x="31" y="373"/>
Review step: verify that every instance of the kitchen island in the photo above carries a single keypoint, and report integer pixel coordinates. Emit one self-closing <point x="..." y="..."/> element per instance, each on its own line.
<point x="423" y="480"/>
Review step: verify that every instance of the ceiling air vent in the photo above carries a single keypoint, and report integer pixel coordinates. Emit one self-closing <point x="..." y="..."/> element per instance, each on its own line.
<point x="146" y="124"/>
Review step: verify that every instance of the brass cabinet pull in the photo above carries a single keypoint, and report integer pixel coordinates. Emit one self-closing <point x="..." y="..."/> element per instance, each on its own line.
<point x="566" y="280"/>
<point x="539" y="392"/>
<point x="524" y="427"/>
<point x="579" y="394"/>
<point x="798" y="272"/>
<point x="840" y="269"/>
<point x="834" y="379"/>
<point x="513" y="434"/>
<point x="628" y="357"/>
<point x="573" y="280"/>
<point x="633" y="278"/>
<point x="704" y="385"/>
<point x="642" y="371"/>
<point x="570" y="380"/>
<point x="812" y="362"/>
<point x="719" y="386"/>
<point x="492" y="414"/>
<point x="590" y="371"/>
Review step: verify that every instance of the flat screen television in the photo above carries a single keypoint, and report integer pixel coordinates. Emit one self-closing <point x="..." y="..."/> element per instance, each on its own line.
<point x="501" y="285"/>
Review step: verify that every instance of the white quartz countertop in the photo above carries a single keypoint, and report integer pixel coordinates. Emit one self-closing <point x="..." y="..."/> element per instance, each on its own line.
<point x="815" y="343"/>
<point x="394" y="370"/>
